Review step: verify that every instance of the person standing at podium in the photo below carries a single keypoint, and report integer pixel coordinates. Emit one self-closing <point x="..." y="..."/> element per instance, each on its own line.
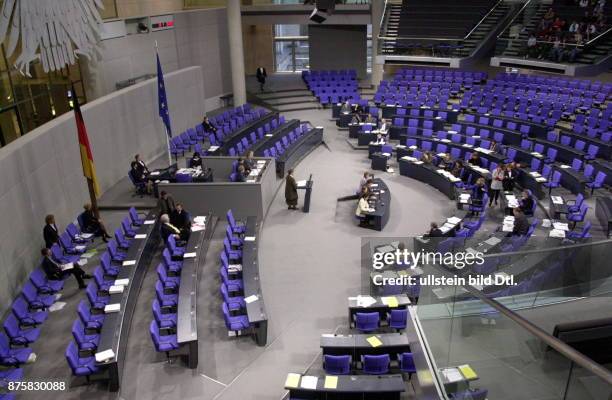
<point x="291" y="194"/>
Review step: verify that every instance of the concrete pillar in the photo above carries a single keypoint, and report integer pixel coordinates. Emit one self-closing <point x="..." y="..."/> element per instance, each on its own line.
<point x="377" y="69"/>
<point x="234" y="27"/>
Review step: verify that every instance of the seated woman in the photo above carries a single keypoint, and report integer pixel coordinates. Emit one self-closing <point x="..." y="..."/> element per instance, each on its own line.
<point x="92" y="223"/>
<point x="363" y="210"/>
<point x="447" y="163"/>
<point x="241" y="174"/>
<point x="427" y="158"/>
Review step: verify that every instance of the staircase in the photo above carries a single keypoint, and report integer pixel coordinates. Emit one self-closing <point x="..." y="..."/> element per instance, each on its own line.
<point x="598" y="51"/>
<point x="480" y="33"/>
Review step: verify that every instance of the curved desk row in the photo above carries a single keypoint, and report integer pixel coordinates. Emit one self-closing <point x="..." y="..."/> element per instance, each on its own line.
<point x="346" y="387"/>
<point x="244" y="132"/>
<point x="256" y="309"/>
<point x="426" y="173"/>
<point x="396" y="131"/>
<point x="298" y="150"/>
<point x="274" y="136"/>
<point x="380" y="216"/>
<point x="490" y="156"/>
<point x="187" y="322"/>
<point x="390" y="111"/>
<point x="116" y="327"/>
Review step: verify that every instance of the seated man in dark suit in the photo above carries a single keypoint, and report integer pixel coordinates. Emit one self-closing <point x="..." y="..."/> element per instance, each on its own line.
<point x="521" y="224"/>
<point x="181" y="219"/>
<point x="195" y="161"/>
<point x="168" y="229"/>
<point x="434" y="231"/>
<point x="475" y="160"/>
<point x="54" y="271"/>
<point x="141" y="166"/>
<point x="50" y="231"/>
<point x="526" y="203"/>
<point x="93" y="224"/>
<point x="208" y="126"/>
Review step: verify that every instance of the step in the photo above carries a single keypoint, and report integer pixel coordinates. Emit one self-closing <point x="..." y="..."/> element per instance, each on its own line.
<point x="291" y="100"/>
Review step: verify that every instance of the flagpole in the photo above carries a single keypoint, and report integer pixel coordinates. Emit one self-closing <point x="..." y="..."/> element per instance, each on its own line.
<point x="93" y="200"/>
<point x="165" y="127"/>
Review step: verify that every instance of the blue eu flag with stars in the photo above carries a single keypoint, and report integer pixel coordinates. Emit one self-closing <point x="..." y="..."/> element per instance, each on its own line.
<point x="164" y="113"/>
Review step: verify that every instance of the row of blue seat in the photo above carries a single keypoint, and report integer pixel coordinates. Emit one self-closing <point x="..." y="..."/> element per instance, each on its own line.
<point x="85" y="329"/>
<point x="286" y="142"/>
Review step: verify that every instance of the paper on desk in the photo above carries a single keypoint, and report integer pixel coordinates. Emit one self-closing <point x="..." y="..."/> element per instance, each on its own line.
<point x="331" y="382"/>
<point x="564" y="166"/>
<point x="140" y="236"/>
<point x="154" y="173"/>
<point x="251" y="299"/>
<point x="149" y="222"/>
<point x="557" y="199"/>
<point x="546" y="223"/>
<point x="492" y="241"/>
<point x="557" y="233"/>
<point x="374" y="341"/>
<point x="197" y="228"/>
<point x="80" y="247"/>
<point x="453" y="220"/>
<point x="105" y="355"/>
<point x="452" y="375"/>
<point x="540" y="179"/>
<point x="467" y="371"/>
<point x="390" y="301"/>
<point x="190" y="255"/>
<point x="249" y="238"/>
<point x="561" y="226"/>
<point x="309" y="382"/>
<point x="128" y="263"/>
<point x="292" y="380"/>
<point x="116" y="289"/>
<point x="67" y="266"/>
<point x="418" y="162"/>
<point x="200" y="219"/>
<point x="213" y="148"/>
<point x="122" y="282"/>
<point x="111" y="308"/>
<point x="365" y="301"/>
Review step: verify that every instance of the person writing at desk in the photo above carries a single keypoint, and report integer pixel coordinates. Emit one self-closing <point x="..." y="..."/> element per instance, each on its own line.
<point x="494" y="147"/>
<point x="380" y="139"/>
<point x="475" y="160"/>
<point x="57" y="272"/>
<point x="208" y="126"/>
<point x="356" y="119"/>
<point x="434" y="231"/>
<point x="181" y="219"/>
<point x="356" y="108"/>
<point x="369" y="119"/>
<point x="50" y="231"/>
<point x="291" y="194"/>
<point x="195" y="161"/>
<point x="363" y="210"/>
<point x="93" y="224"/>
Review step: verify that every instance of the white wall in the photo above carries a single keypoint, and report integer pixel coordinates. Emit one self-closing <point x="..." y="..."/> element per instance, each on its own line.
<point x="199" y="38"/>
<point x="41" y="172"/>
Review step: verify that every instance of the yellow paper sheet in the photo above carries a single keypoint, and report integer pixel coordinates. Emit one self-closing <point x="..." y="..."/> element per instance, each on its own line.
<point x="467" y="372"/>
<point x="374" y="341"/>
<point x="391" y="301"/>
<point x="331" y="382"/>
<point x="293" y="380"/>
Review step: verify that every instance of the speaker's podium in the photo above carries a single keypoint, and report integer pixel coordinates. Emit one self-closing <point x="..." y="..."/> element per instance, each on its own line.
<point x="307" y="186"/>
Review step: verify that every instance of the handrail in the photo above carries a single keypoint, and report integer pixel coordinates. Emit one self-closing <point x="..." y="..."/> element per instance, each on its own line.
<point x="565" y="350"/>
<point x="549" y="249"/>
<point x="598" y="36"/>
<point x="483" y="18"/>
<point x="382" y="18"/>
<point x="418" y="38"/>
<point x="509" y="24"/>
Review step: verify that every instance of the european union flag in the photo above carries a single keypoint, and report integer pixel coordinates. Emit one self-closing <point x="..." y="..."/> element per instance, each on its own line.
<point x="164" y="113"/>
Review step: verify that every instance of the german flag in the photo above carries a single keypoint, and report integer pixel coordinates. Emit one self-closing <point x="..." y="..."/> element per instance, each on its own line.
<point x="89" y="169"/>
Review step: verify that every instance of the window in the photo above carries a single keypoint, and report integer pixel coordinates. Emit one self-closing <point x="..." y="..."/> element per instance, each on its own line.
<point x="291" y="47"/>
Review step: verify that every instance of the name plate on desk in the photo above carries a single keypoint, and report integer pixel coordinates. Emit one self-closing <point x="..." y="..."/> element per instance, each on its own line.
<point x="190" y="255"/>
<point x="140" y="236"/>
<point x="149" y="222"/>
<point x="129" y="263"/>
<point x="112" y="308"/>
<point x="213" y="148"/>
<point x="251" y="299"/>
<point x="115" y="289"/>
<point x="249" y="238"/>
<point x="121" y="282"/>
